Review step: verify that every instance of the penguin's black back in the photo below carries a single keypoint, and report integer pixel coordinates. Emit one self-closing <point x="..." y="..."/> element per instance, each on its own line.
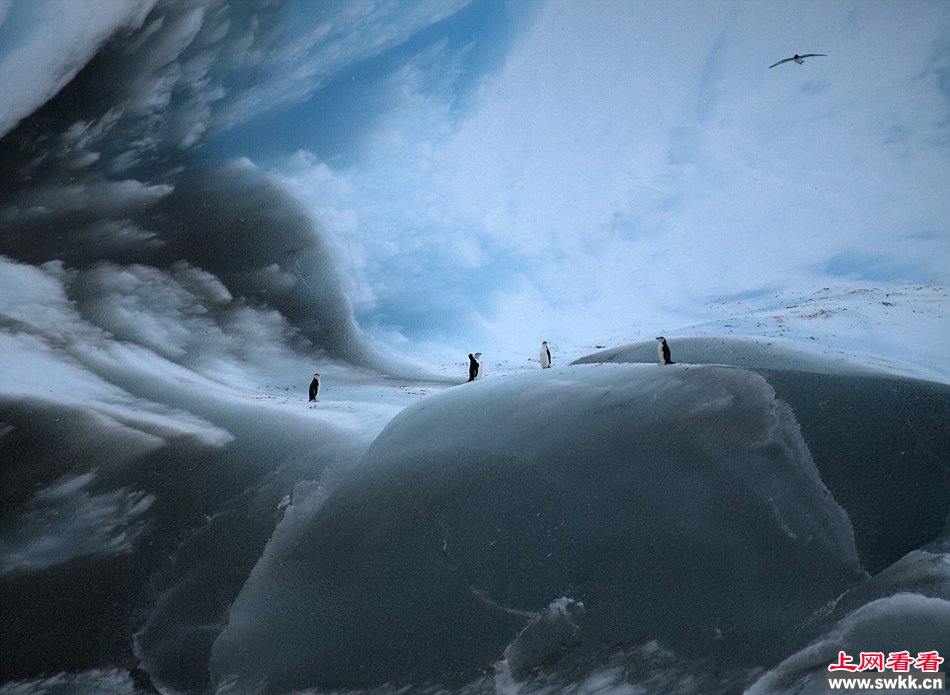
<point x="667" y="356"/>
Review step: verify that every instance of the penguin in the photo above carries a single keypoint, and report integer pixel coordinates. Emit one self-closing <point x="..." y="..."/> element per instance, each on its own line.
<point x="314" y="388"/>
<point x="663" y="350"/>
<point x="473" y="365"/>
<point x="545" y="355"/>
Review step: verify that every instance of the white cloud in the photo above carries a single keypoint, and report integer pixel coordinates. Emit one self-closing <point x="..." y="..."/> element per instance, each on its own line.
<point x="44" y="44"/>
<point x="346" y="34"/>
<point x="631" y="161"/>
<point x="120" y="234"/>
<point x="105" y="198"/>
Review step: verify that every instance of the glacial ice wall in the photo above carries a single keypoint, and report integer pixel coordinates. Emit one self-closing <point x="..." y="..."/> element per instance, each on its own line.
<point x="879" y="439"/>
<point x="674" y="503"/>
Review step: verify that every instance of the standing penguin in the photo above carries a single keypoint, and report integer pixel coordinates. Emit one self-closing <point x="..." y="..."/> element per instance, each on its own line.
<point x="314" y="388"/>
<point x="663" y="350"/>
<point x="473" y="365"/>
<point x="545" y="355"/>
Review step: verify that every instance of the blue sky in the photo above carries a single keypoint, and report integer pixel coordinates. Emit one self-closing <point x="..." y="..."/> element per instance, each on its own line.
<point x="492" y="173"/>
<point x="619" y="164"/>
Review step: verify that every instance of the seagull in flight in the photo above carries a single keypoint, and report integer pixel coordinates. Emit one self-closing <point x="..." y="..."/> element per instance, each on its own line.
<point x="797" y="58"/>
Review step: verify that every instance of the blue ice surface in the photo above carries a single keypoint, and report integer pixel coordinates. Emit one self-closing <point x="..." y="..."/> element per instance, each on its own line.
<point x="676" y="503"/>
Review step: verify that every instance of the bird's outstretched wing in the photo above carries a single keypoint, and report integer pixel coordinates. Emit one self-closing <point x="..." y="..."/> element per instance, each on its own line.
<point x="783" y="60"/>
<point x="797" y="58"/>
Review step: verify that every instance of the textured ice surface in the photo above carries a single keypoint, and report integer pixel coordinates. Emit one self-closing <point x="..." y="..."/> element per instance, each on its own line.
<point x="904" y="621"/>
<point x="676" y="503"/>
<point x="553" y="628"/>
<point x="904" y="607"/>
<point x="879" y="439"/>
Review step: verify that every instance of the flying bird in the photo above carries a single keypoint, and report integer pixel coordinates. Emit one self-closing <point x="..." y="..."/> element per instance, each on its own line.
<point x="797" y="58"/>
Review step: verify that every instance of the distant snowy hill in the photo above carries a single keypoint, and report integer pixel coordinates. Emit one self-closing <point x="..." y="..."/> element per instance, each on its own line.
<point x="898" y="329"/>
<point x="905" y="329"/>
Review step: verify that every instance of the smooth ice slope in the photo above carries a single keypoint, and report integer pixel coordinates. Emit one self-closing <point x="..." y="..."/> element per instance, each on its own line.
<point x="879" y="439"/>
<point x="676" y="503"/>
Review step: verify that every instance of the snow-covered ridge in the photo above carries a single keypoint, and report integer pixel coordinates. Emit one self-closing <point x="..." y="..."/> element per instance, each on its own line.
<point x="900" y="328"/>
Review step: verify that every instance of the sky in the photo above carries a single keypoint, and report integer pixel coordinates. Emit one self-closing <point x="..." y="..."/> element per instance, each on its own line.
<point x="484" y="175"/>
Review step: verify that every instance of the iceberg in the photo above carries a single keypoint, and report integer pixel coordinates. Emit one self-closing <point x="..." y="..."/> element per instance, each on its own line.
<point x="677" y="504"/>
<point x="878" y="436"/>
